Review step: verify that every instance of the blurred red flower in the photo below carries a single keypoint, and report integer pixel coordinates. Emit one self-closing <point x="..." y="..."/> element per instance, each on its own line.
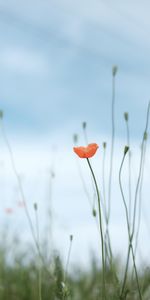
<point x="21" y="204"/>
<point x="8" y="210"/>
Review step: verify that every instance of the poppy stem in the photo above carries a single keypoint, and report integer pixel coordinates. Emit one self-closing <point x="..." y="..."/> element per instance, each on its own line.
<point x="100" y="227"/>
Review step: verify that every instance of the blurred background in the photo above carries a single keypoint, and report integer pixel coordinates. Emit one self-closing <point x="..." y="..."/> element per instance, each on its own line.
<point x="56" y="61"/>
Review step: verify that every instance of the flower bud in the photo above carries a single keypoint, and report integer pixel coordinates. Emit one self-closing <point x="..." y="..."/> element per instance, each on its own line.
<point x="104" y="145"/>
<point x="114" y="70"/>
<point x="145" y="136"/>
<point x="126" y="149"/>
<point x="84" y="125"/>
<point x="35" y="206"/>
<point x="71" y="237"/>
<point x="52" y="174"/>
<point x="1" y="114"/>
<point x="126" y="116"/>
<point x="75" y="138"/>
<point x="94" y="212"/>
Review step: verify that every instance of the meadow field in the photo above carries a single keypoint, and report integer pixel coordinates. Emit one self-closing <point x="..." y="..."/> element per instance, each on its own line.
<point x="37" y="270"/>
<point x="74" y="150"/>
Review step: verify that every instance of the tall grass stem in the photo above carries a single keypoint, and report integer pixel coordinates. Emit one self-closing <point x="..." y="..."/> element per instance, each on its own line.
<point x="129" y="234"/>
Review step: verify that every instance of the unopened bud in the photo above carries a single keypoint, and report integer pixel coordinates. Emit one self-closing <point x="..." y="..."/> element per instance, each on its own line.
<point x="126" y="116"/>
<point x="84" y="125"/>
<point x="75" y="138"/>
<point x="52" y="174"/>
<point x="126" y="149"/>
<point x="71" y="237"/>
<point x="114" y="70"/>
<point x="94" y="212"/>
<point x="145" y="136"/>
<point x="35" y="206"/>
<point x="1" y="114"/>
<point x="104" y="145"/>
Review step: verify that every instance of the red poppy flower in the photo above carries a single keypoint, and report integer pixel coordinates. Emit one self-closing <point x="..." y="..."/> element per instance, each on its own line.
<point x="86" y="152"/>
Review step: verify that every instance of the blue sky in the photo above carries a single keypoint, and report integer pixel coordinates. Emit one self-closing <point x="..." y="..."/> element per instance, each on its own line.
<point x="56" y="59"/>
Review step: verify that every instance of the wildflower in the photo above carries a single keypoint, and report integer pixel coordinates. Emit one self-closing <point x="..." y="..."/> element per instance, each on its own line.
<point x="86" y="152"/>
<point x="8" y="210"/>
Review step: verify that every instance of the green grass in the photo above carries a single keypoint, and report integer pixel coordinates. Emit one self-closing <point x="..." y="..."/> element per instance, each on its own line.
<point x="19" y="281"/>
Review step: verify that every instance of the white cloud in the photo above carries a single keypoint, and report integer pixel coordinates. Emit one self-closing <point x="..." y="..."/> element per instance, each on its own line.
<point x="70" y="18"/>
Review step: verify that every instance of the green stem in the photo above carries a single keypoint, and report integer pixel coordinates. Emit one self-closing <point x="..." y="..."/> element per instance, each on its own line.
<point x="130" y="236"/>
<point x="107" y="235"/>
<point x="140" y="200"/>
<point x="140" y="169"/>
<point x="112" y="146"/>
<point x="111" y="155"/>
<point x="129" y="168"/>
<point x="23" y="198"/>
<point x="65" y="291"/>
<point x="100" y="227"/>
<point x="136" y="192"/>
<point x="68" y="259"/>
<point x="39" y="267"/>
<point x="103" y="181"/>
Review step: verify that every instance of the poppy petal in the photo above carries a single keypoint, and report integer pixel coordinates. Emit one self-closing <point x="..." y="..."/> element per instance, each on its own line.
<point x="86" y="152"/>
